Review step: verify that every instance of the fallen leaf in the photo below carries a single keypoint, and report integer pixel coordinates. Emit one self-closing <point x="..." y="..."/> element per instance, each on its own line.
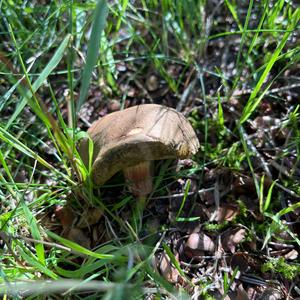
<point x="197" y="243"/>
<point x="152" y="83"/>
<point x="225" y="213"/>
<point x="292" y="255"/>
<point x="241" y="293"/>
<point x="65" y="215"/>
<point x="231" y="239"/>
<point x="168" y="271"/>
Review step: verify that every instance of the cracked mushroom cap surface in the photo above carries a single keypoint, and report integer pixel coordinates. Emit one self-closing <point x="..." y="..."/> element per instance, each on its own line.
<point x="140" y="133"/>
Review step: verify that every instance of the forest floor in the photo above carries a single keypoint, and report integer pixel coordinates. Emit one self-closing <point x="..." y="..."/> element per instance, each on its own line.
<point x="224" y="224"/>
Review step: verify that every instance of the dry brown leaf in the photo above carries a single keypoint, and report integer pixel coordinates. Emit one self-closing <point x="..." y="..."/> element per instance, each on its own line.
<point x="152" y="83"/>
<point x="231" y="239"/>
<point x="241" y="293"/>
<point x="197" y="243"/>
<point x="226" y="213"/>
<point x="252" y="293"/>
<point x="292" y="255"/>
<point x="65" y="215"/>
<point x="168" y="271"/>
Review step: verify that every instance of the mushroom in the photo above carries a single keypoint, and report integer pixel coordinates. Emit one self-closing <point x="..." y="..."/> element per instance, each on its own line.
<point x="129" y="140"/>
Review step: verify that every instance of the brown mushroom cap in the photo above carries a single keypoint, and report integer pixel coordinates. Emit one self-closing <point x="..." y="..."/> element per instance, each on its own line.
<point x="140" y="133"/>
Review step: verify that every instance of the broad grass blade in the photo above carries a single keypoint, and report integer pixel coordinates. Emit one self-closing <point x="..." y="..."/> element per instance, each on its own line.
<point x="45" y="73"/>
<point x="93" y="49"/>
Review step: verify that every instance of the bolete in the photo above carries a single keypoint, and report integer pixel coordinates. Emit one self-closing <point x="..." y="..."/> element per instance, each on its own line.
<point x="129" y="140"/>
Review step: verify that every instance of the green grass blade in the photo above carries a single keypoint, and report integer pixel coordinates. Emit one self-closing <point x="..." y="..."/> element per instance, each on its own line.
<point x="78" y="248"/>
<point x="42" y="77"/>
<point x="173" y="259"/>
<point x="14" y="142"/>
<point x="35" y="232"/>
<point x="261" y="194"/>
<point x="253" y="101"/>
<point x="100" y="15"/>
<point x="186" y="192"/>
<point x="269" y="196"/>
<point x="121" y="14"/>
<point x="233" y="11"/>
<point x="220" y="113"/>
<point x="31" y="259"/>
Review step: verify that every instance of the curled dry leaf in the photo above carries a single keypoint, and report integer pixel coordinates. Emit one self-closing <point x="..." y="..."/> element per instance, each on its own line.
<point x="225" y="213"/>
<point x="197" y="243"/>
<point x="238" y="294"/>
<point x="291" y="255"/>
<point x="65" y="215"/>
<point x="152" y="83"/>
<point x="231" y="239"/>
<point x="168" y="271"/>
<point x="241" y="293"/>
<point x="252" y="292"/>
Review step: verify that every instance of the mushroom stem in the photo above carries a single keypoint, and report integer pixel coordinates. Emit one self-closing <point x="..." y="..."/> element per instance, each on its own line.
<point x="139" y="179"/>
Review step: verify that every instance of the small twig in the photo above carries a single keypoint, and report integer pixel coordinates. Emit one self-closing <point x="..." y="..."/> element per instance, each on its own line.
<point x="272" y="91"/>
<point x="179" y="195"/>
<point x="193" y="266"/>
<point x="280" y="168"/>
<point x="290" y="192"/>
<point x="172" y="196"/>
<point x="185" y="95"/>
<point x="282" y="245"/>
<point x="85" y="121"/>
<point x="5" y="236"/>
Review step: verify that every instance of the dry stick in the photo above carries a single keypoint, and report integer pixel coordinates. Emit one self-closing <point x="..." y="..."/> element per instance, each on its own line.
<point x="179" y="195"/>
<point x="185" y="95"/>
<point x="290" y="192"/>
<point x="87" y="123"/>
<point x="272" y="91"/>
<point x="283" y="170"/>
<point x="6" y="237"/>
